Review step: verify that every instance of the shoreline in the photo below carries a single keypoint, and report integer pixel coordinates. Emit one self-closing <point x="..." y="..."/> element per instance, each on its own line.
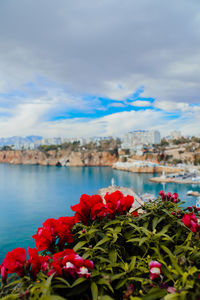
<point x="172" y="180"/>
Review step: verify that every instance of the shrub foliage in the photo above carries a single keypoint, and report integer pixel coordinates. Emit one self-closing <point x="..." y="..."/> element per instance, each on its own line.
<point x="105" y="252"/>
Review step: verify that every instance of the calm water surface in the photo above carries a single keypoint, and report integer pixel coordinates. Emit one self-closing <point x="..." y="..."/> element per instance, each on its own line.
<point x="31" y="194"/>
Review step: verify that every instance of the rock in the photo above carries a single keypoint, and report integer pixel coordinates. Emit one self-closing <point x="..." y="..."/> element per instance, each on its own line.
<point x="58" y="158"/>
<point x="125" y="191"/>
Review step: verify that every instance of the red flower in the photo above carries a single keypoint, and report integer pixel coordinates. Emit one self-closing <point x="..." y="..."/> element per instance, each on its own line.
<point x="189" y="208"/>
<point x="38" y="262"/>
<point x="191" y="222"/>
<point x="69" y="263"/>
<point x="14" y="262"/>
<point x="89" y="264"/>
<point x="57" y="264"/>
<point x="162" y="194"/>
<point x="83" y="209"/>
<point x="59" y="256"/>
<point x="4" y="273"/>
<point x="43" y="239"/>
<point x="135" y="213"/>
<point x="54" y="232"/>
<point x="70" y="269"/>
<point x="93" y="207"/>
<point x="67" y="221"/>
<point x="125" y="204"/>
<point x="113" y="201"/>
<point x="169" y="197"/>
<point x="99" y="210"/>
<point x="155" y="269"/>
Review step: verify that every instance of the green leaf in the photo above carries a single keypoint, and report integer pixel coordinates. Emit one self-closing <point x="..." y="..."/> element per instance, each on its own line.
<point x="155" y="294"/>
<point x="154" y="223"/>
<point x="46" y="287"/>
<point x="142" y="240"/>
<point x="134" y="240"/>
<point x="101" y="242"/>
<point x="116" y="221"/>
<point x="132" y="263"/>
<point x="106" y="297"/>
<point x="173" y="259"/>
<point x="117" y="276"/>
<point x="63" y="281"/>
<point x="94" y="291"/>
<point x="79" y="245"/>
<point x="78" y="281"/>
<point x="10" y="297"/>
<point x="113" y="255"/>
<point x="121" y="283"/>
<point x="103" y="281"/>
<point x="164" y="229"/>
<point x="52" y="297"/>
<point x="174" y="296"/>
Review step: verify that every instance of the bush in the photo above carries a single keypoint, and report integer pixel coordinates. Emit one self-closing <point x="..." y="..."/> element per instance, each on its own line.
<point x="105" y="252"/>
<point x="176" y="161"/>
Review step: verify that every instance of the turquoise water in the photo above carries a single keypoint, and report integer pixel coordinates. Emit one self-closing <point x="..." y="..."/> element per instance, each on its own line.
<point x="31" y="194"/>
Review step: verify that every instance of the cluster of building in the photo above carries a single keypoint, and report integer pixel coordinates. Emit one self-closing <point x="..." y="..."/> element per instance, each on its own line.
<point x="138" y="139"/>
<point x="134" y="140"/>
<point x="25" y="144"/>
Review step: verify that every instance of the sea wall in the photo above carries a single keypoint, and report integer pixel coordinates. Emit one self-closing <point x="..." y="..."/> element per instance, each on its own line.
<point x="144" y="167"/>
<point x="58" y="158"/>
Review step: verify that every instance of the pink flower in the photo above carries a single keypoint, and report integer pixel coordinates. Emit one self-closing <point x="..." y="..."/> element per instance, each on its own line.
<point x="190" y="220"/>
<point x="70" y="269"/>
<point x="69" y="263"/>
<point x="171" y="290"/>
<point x="83" y="272"/>
<point x="155" y="269"/>
<point x="189" y="208"/>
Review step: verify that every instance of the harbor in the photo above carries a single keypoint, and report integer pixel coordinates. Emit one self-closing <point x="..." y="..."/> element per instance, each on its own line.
<point x="181" y="178"/>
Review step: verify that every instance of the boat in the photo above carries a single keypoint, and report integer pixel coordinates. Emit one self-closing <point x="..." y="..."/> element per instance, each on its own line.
<point x="193" y="193"/>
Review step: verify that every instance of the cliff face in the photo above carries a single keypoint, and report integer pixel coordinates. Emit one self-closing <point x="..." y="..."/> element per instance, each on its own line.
<point x="58" y="158"/>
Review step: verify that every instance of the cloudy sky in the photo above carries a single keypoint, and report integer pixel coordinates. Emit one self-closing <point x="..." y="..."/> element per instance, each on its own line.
<point x="105" y="67"/>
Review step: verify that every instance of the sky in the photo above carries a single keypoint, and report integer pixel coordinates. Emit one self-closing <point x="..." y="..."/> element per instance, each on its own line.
<point x="99" y="68"/>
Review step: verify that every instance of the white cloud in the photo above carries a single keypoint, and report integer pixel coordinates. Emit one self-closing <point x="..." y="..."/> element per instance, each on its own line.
<point x="176" y="106"/>
<point x="29" y="118"/>
<point x="98" y="48"/>
<point x="140" y="103"/>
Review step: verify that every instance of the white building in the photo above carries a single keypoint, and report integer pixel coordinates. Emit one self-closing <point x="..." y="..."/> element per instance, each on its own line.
<point x="51" y="141"/>
<point x="175" y="134"/>
<point x="137" y="138"/>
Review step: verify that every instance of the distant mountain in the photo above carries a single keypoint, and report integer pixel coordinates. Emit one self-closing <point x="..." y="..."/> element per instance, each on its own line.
<point x="19" y="140"/>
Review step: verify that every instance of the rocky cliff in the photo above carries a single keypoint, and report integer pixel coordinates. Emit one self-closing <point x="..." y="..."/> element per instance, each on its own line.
<point x="58" y="158"/>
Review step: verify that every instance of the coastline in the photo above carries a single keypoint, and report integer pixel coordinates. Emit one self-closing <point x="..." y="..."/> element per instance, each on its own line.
<point x="145" y="167"/>
<point x="58" y="158"/>
<point x="173" y="180"/>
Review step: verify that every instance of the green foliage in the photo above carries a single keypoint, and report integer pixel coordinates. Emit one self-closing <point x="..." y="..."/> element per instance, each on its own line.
<point x="46" y="148"/>
<point x="176" y="161"/>
<point x="121" y="250"/>
<point x="164" y="142"/>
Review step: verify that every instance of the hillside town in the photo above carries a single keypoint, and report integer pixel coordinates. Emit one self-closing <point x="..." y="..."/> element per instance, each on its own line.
<point x="136" y="151"/>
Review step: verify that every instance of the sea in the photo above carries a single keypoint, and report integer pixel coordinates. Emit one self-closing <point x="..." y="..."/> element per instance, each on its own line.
<point x="29" y="194"/>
